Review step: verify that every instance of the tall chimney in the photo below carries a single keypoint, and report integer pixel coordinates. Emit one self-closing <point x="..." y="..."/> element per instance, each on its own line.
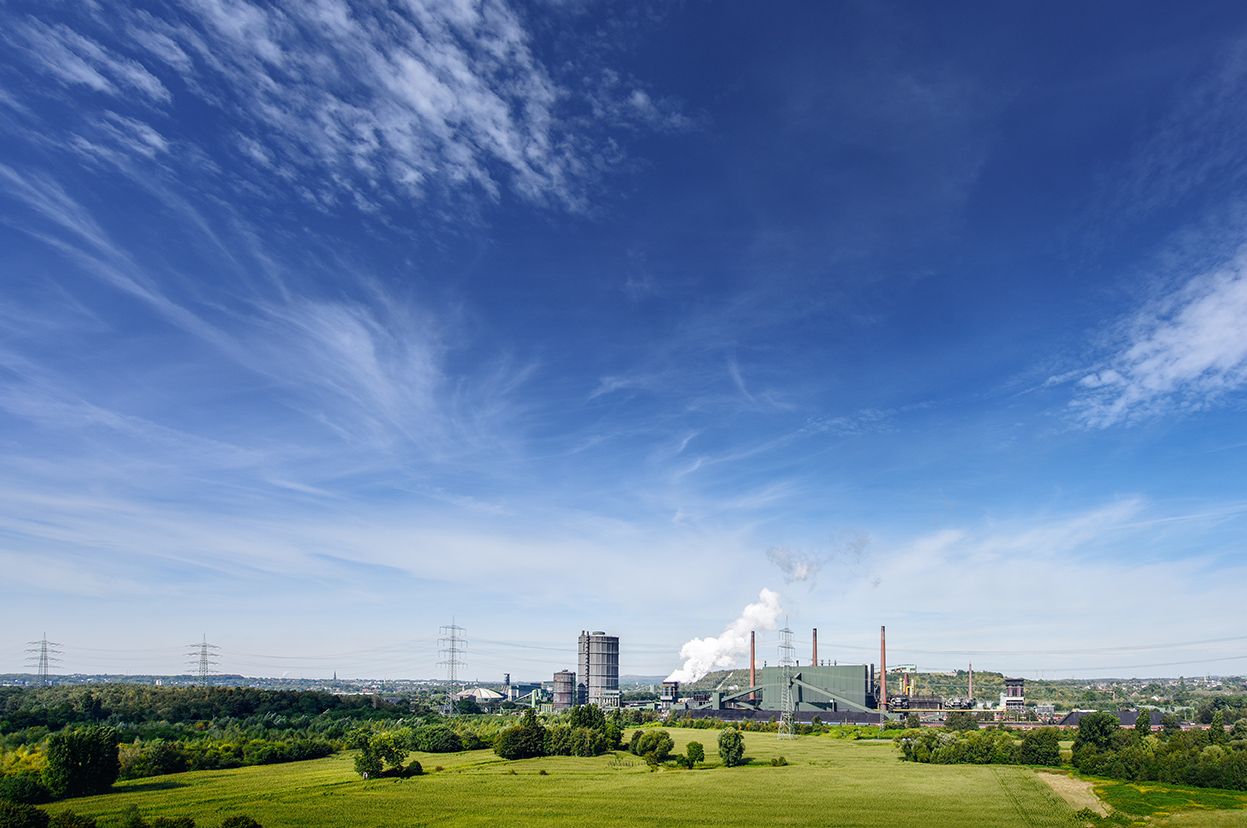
<point x="814" y="656"/>
<point x="883" y="672"/>
<point x="753" y="664"/>
<point x="971" y="679"/>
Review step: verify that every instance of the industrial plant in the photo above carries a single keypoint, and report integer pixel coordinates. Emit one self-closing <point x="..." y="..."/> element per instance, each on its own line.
<point x="789" y="691"/>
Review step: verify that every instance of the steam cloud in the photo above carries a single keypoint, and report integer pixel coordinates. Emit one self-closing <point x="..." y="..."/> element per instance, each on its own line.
<point x="798" y="565"/>
<point x="701" y="655"/>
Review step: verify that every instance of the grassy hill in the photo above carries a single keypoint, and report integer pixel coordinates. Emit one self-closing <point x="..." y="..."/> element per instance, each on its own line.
<point x="828" y="782"/>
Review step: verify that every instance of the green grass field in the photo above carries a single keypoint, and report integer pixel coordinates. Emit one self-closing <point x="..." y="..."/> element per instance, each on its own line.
<point x="828" y="782"/>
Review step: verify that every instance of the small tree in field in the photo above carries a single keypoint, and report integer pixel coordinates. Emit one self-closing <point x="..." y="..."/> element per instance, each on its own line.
<point x="731" y="747"/>
<point x="695" y="753"/>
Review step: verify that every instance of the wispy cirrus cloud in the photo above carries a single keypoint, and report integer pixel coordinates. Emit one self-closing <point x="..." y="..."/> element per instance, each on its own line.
<point x="362" y="104"/>
<point x="1185" y="351"/>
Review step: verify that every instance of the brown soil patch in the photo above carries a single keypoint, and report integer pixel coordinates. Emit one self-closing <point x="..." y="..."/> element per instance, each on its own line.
<point x="1076" y="792"/>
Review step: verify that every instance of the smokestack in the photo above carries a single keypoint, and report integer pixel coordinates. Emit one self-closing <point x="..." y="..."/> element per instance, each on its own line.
<point x="971" y="679"/>
<point x="753" y="663"/>
<point x="883" y="671"/>
<point x="814" y="655"/>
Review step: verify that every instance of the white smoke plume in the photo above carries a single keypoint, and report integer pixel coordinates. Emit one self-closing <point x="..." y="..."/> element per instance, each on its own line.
<point x="847" y="556"/>
<point x="701" y="655"/>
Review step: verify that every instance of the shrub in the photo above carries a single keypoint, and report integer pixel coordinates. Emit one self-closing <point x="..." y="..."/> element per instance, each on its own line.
<point x="133" y="819"/>
<point x="240" y="821"/>
<point x="779" y="762"/>
<point x="436" y="739"/>
<point x="21" y="815"/>
<point x="732" y="747"/>
<point x="26" y="788"/>
<point x="656" y="743"/>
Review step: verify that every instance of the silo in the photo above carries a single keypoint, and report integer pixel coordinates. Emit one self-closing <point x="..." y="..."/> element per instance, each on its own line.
<point x="564" y="689"/>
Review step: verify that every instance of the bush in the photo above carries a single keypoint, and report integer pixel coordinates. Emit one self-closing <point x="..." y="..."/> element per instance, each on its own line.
<point x="81" y="761"/>
<point x="732" y="747"/>
<point x="656" y="743"/>
<point x="436" y="739"/>
<point x="173" y="822"/>
<point x="21" y="815"/>
<point x="779" y="762"/>
<point x="240" y="821"/>
<point x="26" y="788"/>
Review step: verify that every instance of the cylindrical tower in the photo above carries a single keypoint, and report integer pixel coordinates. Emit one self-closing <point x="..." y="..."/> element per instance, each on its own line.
<point x="599" y="665"/>
<point x="564" y="689"/>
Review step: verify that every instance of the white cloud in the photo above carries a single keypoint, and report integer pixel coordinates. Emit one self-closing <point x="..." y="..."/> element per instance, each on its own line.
<point x="1184" y="352"/>
<point x="77" y="60"/>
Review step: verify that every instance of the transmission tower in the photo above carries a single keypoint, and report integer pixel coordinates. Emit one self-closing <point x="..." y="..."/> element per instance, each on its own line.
<point x="43" y="656"/>
<point x="451" y="644"/>
<point x="787" y="661"/>
<point x="203" y="658"/>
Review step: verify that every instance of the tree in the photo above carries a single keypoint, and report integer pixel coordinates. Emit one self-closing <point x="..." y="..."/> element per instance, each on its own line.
<point x="467" y="705"/>
<point x="1143" y="724"/>
<point x="21" y="815"/>
<point x="1170" y="725"/>
<point x="522" y="741"/>
<point x="961" y="720"/>
<point x="82" y="761"/>
<point x="913" y="721"/>
<point x="1097" y="730"/>
<point x="436" y="739"/>
<point x="695" y="753"/>
<point x="731" y="747"/>
<point x="1041" y="746"/>
<point x="655" y="743"/>
<point x="1216" y="730"/>
<point x="587" y="715"/>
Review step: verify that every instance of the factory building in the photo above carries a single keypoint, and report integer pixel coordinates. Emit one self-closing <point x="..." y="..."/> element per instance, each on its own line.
<point x="599" y="670"/>
<point x="843" y="688"/>
<point x="829" y="692"/>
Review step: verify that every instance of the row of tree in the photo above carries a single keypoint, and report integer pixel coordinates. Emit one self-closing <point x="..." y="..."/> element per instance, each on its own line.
<point x="1211" y="758"/>
<point x="1040" y="746"/>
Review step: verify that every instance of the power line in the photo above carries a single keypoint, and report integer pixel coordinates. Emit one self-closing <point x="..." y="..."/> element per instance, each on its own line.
<point x="43" y="655"/>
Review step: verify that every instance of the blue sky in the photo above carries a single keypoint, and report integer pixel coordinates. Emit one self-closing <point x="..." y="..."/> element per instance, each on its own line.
<point x="322" y="325"/>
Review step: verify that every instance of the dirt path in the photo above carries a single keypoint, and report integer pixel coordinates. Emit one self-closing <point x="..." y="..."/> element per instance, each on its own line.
<point x="1077" y="793"/>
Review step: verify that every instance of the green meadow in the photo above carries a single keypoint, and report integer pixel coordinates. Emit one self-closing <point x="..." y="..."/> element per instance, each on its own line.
<point x="827" y="782"/>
